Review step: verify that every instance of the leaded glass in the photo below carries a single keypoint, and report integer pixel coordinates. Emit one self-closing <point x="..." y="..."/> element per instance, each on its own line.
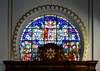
<point x="49" y="29"/>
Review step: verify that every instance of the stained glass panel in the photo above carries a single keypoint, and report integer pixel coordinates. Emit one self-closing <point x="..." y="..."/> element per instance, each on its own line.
<point x="49" y="29"/>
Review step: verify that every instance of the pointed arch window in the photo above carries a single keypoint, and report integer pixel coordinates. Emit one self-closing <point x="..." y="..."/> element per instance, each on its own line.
<point x="50" y="29"/>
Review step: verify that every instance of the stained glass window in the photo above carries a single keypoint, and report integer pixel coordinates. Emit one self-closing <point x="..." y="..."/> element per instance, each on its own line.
<point x="49" y="29"/>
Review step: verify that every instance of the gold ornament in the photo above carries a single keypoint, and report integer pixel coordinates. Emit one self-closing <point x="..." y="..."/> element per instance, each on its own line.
<point x="50" y="53"/>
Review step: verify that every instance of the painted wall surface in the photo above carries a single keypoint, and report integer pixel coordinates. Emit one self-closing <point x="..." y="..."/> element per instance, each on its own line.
<point x="20" y="7"/>
<point x="23" y="6"/>
<point x="97" y="32"/>
<point x="3" y="33"/>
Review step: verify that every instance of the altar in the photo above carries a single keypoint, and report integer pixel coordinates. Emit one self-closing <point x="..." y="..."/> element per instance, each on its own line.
<point x="51" y="59"/>
<point x="50" y="66"/>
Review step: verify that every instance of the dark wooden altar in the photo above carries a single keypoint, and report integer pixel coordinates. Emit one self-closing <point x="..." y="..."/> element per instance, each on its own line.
<point x="50" y="66"/>
<point x="50" y="60"/>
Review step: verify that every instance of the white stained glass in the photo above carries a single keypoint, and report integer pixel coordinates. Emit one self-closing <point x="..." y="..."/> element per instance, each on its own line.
<point x="39" y="37"/>
<point x="41" y="42"/>
<point x="34" y="37"/>
<point x="60" y="35"/>
<point x="73" y="37"/>
<point x="49" y="41"/>
<point x="28" y="37"/>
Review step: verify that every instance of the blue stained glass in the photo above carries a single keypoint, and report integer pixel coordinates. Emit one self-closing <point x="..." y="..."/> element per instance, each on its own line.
<point x="47" y="29"/>
<point x="27" y="36"/>
<point x="41" y="21"/>
<point x="37" y="23"/>
<point x="50" y="18"/>
<point x="59" y="42"/>
<point x="72" y="30"/>
<point x="27" y="30"/>
<point x="60" y="45"/>
<point x="35" y="42"/>
<point x="41" y="43"/>
<point x="65" y="51"/>
<point x="29" y="26"/>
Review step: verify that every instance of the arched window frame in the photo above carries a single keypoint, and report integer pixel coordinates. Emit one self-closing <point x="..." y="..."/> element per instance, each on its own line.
<point x="48" y="9"/>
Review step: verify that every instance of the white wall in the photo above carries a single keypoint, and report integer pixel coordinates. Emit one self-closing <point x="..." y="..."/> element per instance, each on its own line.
<point x="20" y="7"/>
